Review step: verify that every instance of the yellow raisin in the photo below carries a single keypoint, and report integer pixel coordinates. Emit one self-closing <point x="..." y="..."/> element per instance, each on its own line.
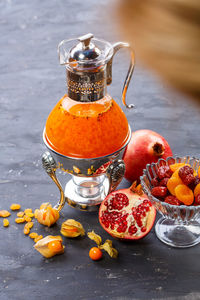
<point x="29" y="214"/>
<point x="4" y="213"/>
<point x="15" y="206"/>
<point x="33" y="235"/>
<point x="29" y="225"/>
<point x="28" y="210"/>
<point x="20" y="214"/>
<point x="26" y="230"/>
<point x="19" y="220"/>
<point x="27" y="219"/>
<point x="36" y="212"/>
<point x="39" y="237"/>
<point x="5" y="223"/>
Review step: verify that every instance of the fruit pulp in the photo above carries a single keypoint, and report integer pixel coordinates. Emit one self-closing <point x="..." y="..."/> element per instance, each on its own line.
<point x="86" y="129"/>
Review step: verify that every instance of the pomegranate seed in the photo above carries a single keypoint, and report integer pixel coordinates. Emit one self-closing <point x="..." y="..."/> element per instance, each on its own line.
<point x="138" y="215"/>
<point x="146" y="201"/>
<point x="139" y="223"/>
<point x="132" y="229"/>
<point x="106" y="224"/>
<point x="112" y="226"/>
<point x="143" y="229"/>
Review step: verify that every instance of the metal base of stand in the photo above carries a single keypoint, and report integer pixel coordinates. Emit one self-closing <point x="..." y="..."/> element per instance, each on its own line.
<point x="88" y="197"/>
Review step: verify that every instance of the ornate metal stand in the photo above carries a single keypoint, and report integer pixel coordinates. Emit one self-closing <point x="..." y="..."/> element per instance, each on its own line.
<point x="84" y="194"/>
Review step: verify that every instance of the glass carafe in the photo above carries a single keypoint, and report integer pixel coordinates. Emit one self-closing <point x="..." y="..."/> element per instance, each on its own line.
<point x="87" y="132"/>
<point x="87" y="122"/>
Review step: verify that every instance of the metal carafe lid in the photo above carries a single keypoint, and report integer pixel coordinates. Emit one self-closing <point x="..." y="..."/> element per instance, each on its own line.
<point x="88" y="64"/>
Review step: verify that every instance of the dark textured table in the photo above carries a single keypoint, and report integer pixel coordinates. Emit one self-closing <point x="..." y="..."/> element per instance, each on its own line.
<point x="31" y="82"/>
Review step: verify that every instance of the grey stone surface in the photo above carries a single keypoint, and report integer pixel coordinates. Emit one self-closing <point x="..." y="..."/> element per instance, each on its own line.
<point x="31" y="82"/>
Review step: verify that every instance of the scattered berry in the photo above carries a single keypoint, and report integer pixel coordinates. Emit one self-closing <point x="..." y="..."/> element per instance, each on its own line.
<point x="95" y="253"/>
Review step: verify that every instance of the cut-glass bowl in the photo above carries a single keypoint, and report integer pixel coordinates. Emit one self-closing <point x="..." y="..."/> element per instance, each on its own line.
<point x="179" y="226"/>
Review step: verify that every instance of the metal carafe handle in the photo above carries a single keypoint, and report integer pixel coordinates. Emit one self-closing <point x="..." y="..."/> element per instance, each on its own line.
<point x="116" y="47"/>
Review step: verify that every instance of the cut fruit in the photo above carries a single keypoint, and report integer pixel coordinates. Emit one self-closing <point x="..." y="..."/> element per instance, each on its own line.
<point x="127" y="214"/>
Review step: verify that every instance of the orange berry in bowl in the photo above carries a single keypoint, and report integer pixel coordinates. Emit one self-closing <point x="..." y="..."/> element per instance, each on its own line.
<point x="184" y="194"/>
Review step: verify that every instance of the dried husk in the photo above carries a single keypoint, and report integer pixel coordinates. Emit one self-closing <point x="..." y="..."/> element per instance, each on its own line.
<point x="71" y="228"/>
<point x="107" y="246"/>
<point x="95" y="237"/>
<point x="42" y="246"/>
<point x="47" y="215"/>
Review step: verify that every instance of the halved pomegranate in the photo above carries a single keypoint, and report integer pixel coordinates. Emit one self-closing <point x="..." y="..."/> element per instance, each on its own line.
<point x="127" y="214"/>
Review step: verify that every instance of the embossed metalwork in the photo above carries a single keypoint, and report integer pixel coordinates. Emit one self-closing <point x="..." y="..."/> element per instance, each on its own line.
<point x="49" y="165"/>
<point x="67" y="164"/>
<point x="89" y="67"/>
<point x="115" y="173"/>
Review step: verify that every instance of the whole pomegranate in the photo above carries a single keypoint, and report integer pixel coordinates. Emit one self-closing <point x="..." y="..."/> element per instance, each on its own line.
<point x="145" y="147"/>
<point x="127" y="214"/>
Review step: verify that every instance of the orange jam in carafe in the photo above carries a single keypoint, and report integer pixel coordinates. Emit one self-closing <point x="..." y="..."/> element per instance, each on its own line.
<point x="87" y="122"/>
<point x="86" y="129"/>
